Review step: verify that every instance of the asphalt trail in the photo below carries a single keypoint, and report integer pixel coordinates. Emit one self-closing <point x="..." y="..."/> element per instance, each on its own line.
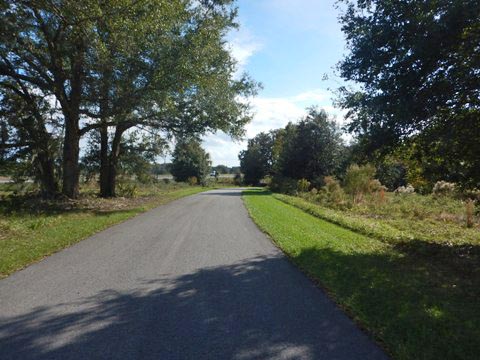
<point x="194" y="279"/>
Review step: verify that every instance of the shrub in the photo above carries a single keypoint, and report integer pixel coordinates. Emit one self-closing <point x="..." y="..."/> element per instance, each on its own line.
<point x="267" y="180"/>
<point x="443" y="188"/>
<point x="284" y="185"/>
<point x="303" y="185"/>
<point x="392" y="174"/>
<point x="125" y="189"/>
<point x="192" y="180"/>
<point x="166" y="181"/>
<point x="238" y="180"/>
<point x="359" y="181"/>
<point x="332" y="193"/>
<point x="469" y="209"/>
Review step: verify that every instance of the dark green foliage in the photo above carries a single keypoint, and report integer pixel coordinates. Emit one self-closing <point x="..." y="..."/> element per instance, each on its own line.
<point x="392" y="174"/>
<point x="417" y="69"/>
<point x="116" y="65"/>
<point x="137" y="153"/>
<point x="190" y="160"/>
<point x="257" y="161"/>
<point x="311" y="149"/>
<point x="238" y="180"/>
<point x="283" y="185"/>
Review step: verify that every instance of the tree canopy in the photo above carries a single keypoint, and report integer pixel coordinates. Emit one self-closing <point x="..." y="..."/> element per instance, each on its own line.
<point x="310" y="149"/>
<point x="189" y="159"/>
<point x="416" y="68"/>
<point x="113" y="65"/>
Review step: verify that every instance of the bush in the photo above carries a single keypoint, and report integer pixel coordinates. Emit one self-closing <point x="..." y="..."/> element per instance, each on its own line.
<point x="238" y="180"/>
<point x="443" y="188"/>
<point x="303" y="185"/>
<point x="166" y="181"/>
<point x="392" y="174"/>
<point x="192" y="180"/>
<point x="126" y="189"/>
<point x="332" y="193"/>
<point x="359" y="181"/>
<point x="266" y="181"/>
<point x="283" y="185"/>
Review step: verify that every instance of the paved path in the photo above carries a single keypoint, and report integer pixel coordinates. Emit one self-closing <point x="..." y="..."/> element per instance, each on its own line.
<point x="194" y="279"/>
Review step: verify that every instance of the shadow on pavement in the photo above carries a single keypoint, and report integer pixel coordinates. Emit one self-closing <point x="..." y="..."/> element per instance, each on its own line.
<point x="226" y="312"/>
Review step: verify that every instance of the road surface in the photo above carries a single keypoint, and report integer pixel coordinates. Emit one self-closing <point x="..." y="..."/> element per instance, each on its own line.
<point x="194" y="279"/>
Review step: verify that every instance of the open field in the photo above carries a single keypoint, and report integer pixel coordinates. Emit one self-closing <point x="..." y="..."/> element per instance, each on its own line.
<point x="31" y="229"/>
<point x="418" y="298"/>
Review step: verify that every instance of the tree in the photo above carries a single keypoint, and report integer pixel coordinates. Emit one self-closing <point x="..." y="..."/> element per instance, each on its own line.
<point x="189" y="159"/>
<point x="44" y="48"/>
<point x="257" y="160"/>
<point x="25" y="120"/>
<point x="117" y="64"/>
<point x="169" y="72"/>
<point x="138" y="153"/>
<point x="311" y="149"/>
<point x="221" y="169"/>
<point x="416" y="65"/>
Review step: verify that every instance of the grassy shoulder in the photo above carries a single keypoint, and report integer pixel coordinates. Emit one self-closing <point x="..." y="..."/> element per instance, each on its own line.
<point x="413" y="304"/>
<point x="31" y="229"/>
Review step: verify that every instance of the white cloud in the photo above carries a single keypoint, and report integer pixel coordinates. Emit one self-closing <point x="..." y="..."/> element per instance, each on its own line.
<point x="270" y="113"/>
<point x="243" y="45"/>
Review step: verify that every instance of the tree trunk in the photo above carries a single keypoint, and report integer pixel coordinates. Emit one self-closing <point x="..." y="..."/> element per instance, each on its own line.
<point x="48" y="183"/>
<point x="112" y="179"/>
<point x="71" y="150"/>
<point x="71" y="112"/>
<point x="104" y="163"/>
<point x="111" y="183"/>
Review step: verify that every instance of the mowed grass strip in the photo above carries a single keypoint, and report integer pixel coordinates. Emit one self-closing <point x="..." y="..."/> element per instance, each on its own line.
<point x="27" y="238"/>
<point x="417" y="310"/>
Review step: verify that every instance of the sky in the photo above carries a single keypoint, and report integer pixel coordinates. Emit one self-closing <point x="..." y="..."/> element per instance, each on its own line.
<point x="289" y="46"/>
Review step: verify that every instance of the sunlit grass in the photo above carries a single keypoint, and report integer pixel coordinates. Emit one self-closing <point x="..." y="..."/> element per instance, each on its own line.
<point x="412" y="303"/>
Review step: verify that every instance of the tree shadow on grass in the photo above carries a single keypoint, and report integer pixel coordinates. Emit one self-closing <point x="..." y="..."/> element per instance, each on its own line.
<point x="257" y="192"/>
<point x="32" y="205"/>
<point x="256" y="309"/>
<point x="419" y="311"/>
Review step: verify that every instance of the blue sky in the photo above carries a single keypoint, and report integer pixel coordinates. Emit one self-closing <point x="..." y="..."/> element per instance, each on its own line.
<point x="288" y="46"/>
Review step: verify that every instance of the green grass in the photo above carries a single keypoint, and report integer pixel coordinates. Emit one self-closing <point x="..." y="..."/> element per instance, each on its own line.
<point x="417" y="307"/>
<point x="386" y="223"/>
<point x="29" y="234"/>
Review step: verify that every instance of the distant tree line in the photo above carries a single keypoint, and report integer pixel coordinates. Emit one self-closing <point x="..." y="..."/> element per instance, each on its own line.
<point x="310" y="149"/>
<point x="120" y="76"/>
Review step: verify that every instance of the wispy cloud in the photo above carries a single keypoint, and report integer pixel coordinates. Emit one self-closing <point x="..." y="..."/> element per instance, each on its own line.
<point x="243" y="45"/>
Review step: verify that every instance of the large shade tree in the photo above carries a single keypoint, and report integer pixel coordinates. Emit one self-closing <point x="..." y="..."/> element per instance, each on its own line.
<point x="117" y="64"/>
<point x="416" y="68"/>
